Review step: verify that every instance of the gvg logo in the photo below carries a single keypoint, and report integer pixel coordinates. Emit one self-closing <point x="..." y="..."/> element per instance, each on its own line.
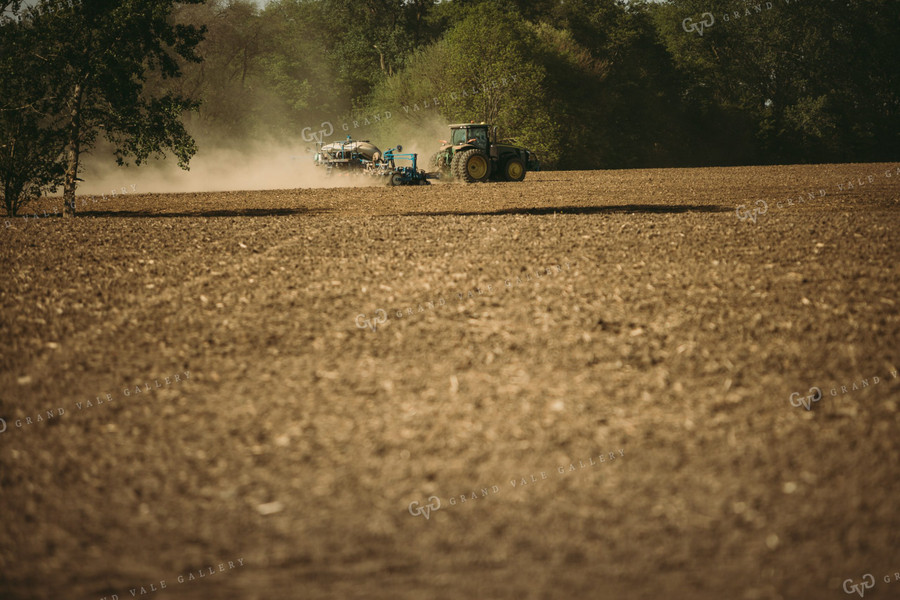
<point x="373" y="322"/>
<point x="815" y="394"/>
<point x="689" y="25"/>
<point x="754" y="213"/>
<point x="868" y="582"/>
<point x="434" y="504"/>
<point x="309" y="135"/>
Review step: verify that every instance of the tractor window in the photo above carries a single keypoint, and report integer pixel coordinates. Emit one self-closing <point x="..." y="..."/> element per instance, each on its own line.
<point x="459" y="137"/>
<point x="480" y="135"/>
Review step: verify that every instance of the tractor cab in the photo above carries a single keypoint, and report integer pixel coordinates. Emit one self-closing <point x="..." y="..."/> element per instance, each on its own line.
<point x="470" y="135"/>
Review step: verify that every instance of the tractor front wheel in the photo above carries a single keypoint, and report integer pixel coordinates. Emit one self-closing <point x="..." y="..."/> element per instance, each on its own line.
<point x="514" y="170"/>
<point x="471" y="166"/>
<point x="437" y="160"/>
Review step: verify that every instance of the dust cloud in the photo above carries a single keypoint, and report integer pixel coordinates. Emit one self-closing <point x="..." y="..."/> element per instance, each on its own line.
<point x="422" y="136"/>
<point x="258" y="165"/>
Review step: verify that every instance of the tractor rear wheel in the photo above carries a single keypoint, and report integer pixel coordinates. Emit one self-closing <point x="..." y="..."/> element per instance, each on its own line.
<point x="471" y="166"/>
<point x="514" y="170"/>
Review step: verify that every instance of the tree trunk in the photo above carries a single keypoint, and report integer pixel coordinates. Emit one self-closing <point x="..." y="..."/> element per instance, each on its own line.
<point x="72" y="153"/>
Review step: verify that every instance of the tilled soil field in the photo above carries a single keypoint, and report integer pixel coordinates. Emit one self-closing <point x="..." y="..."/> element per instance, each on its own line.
<point x="613" y="384"/>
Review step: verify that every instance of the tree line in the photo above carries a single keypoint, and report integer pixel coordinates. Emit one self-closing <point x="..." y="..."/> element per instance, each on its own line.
<point x="595" y="83"/>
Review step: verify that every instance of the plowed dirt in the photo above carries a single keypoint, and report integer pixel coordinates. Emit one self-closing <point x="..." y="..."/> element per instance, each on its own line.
<point x="352" y="361"/>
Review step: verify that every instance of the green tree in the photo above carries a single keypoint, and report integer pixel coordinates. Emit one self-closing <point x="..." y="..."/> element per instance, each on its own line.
<point x="802" y="81"/>
<point x="224" y="82"/>
<point x="486" y="68"/>
<point x="369" y="39"/>
<point x="31" y="135"/>
<point x="615" y="87"/>
<point x="296" y="63"/>
<point x="99" y="53"/>
<point x="299" y="67"/>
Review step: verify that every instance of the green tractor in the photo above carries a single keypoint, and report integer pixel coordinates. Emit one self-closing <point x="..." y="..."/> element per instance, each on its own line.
<point x="473" y="155"/>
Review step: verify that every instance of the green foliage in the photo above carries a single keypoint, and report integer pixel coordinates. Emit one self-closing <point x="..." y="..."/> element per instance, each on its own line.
<point x="483" y="69"/>
<point x="813" y="80"/>
<point x="31" y="134"/>
<point x="93" y="58"/>
<point x="107" y="48"/>
<point x="616" y="86"/>
<point x="597" y="83"/>
<point x="224" y="82"/>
